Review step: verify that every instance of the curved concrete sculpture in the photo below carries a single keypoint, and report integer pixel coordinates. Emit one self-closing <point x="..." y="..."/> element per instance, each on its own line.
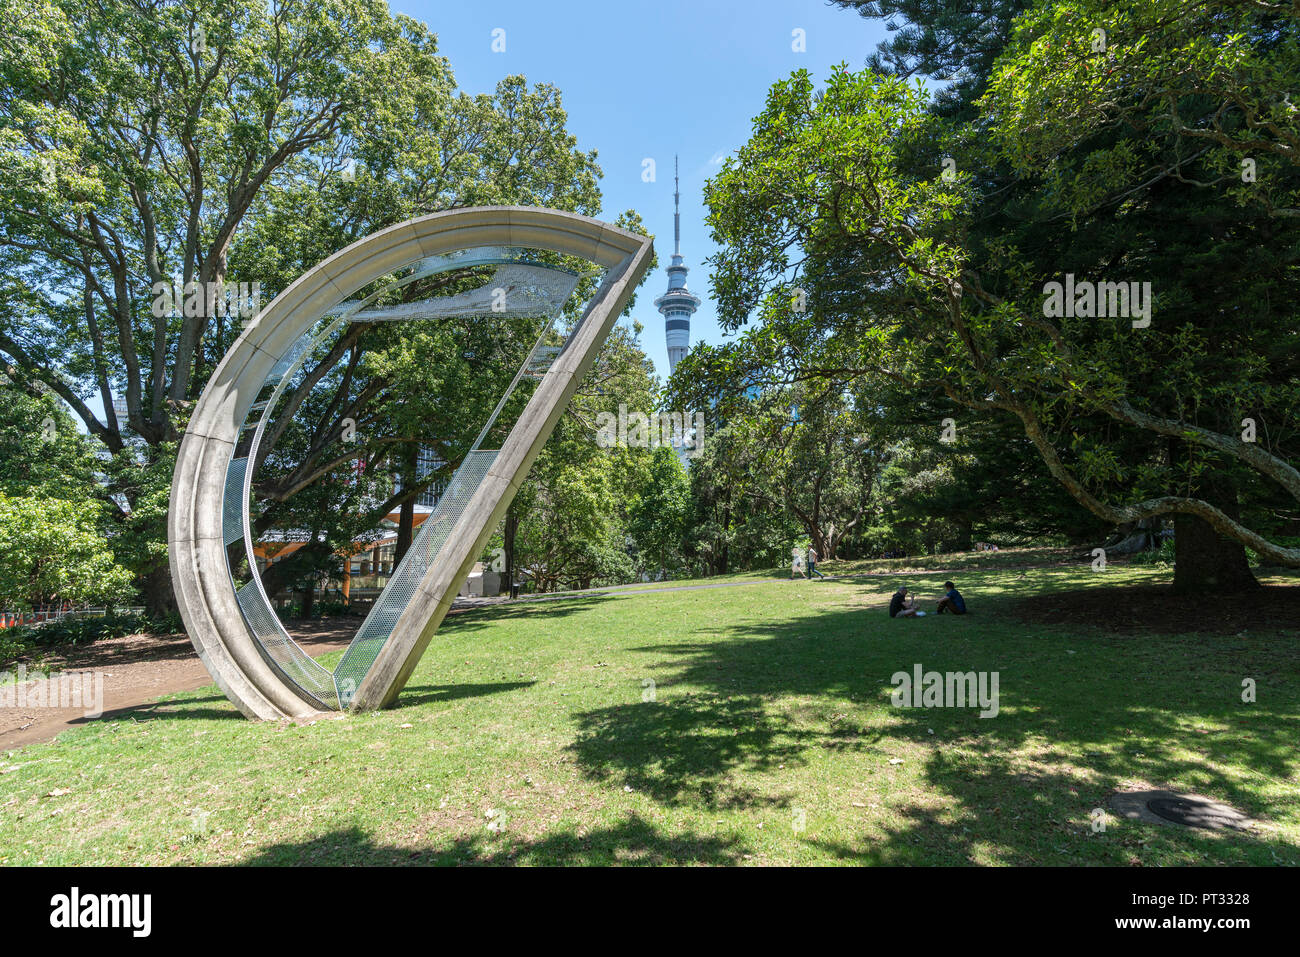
<point x="239" y="639"/>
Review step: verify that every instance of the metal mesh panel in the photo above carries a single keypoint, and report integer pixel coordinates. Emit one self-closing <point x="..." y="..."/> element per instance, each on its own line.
<point x="290" y="358"/>
<point x="428" y="541"/>
<point x="541" y="360"/>
<point x="515" y="290"/>
<point x="232" y="503"/>
<point x="296" y="664"/>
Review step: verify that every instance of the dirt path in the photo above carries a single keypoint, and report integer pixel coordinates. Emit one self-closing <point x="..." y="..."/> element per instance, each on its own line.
<point x="136" y="670"/>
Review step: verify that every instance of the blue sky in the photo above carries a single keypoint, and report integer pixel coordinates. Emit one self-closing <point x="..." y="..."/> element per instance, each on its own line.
<point x="646" y="80"/>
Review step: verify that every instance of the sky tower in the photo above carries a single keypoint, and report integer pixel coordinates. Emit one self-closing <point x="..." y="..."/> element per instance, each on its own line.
<point x="677" y="305"/>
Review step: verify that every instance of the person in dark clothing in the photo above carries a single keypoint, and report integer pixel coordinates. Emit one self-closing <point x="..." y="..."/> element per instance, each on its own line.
<point x="901" y="606"/>
<point x="952" y="600"/>
<point x="812" y="563"/>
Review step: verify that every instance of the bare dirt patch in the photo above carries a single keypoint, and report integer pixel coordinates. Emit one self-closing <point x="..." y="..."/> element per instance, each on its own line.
<point x="137" y="669"/>
<point x="1156" y="608"/>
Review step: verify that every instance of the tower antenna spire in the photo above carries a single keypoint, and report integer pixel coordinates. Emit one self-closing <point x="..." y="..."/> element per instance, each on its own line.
<point x="677" y="211"/>
<point x="678" y="304"/>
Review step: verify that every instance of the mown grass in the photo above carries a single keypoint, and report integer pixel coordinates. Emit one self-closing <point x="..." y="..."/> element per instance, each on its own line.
<point x="524" y="738"/>
<point x="957" y="561"/>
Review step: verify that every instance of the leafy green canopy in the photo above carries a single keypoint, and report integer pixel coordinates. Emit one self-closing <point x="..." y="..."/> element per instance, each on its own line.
<point x="228" y="143"/>
<point x="51" y="551"/>
<point x="41" y="450"/>
<point x="932" y="276"/>
<point x="594" y="515"/>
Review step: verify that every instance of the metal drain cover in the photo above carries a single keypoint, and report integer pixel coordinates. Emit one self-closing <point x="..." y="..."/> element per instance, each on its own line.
<point x="1194" y="813"/>
<point x="1181" y="810"/>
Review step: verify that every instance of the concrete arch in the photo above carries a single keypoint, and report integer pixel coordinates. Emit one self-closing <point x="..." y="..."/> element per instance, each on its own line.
<point x="195" y="539"/>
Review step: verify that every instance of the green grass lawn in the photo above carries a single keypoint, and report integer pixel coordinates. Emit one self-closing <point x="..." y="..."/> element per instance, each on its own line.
<point x="524" y="737"/>
<point x="962" y="561"/>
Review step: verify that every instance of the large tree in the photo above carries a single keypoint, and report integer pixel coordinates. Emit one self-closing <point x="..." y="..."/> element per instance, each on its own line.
<point x="55" y="542"/>
<point x="933" y="274"/>
<point x="953" y="41"/>
<point x="804" y="451"/>
<point x="152" y="143"/>
<point x="52" y="551"/>
<point x="581" y="513"/>
<point x="41" y="450"/>
<point x="905" y="474"/>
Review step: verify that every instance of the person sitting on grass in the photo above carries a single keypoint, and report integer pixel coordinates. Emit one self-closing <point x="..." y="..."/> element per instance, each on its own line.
<point x="903" y="605"/>
<point x="952" y="600"/>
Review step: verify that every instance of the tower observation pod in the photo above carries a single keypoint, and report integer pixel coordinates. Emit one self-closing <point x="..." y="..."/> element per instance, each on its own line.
<point x="678" y="304"/>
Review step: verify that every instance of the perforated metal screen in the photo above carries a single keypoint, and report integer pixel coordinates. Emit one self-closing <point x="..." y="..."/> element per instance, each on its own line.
<point x="428" y="541"/>
<point x="283" y="651"/>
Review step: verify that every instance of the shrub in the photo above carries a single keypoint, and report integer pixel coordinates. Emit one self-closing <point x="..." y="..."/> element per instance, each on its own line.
<point x="51" y="551"/>
<point x="1164" y="555"/>
<point x="81" y="630"/>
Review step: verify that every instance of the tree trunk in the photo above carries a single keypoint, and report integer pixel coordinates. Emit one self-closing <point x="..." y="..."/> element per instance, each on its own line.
<point x="1204" y="561"/>
<point x="159" y="598"/>
<point x="405" y="532"/>
<point x="308" y="600"/>
<point x="1134" y="537"/>
<point x="724" y="554"/>
<point x="508" y="534"/>
<point x="965" y="533"/>
<point x="406" y="519"/>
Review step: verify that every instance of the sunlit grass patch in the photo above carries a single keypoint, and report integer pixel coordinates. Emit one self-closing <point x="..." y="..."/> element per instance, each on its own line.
<point x="749" y="725"/>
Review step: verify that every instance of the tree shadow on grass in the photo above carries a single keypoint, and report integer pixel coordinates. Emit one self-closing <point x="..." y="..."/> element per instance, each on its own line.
<point x="476" y="618"/>
<point x="632" y="841"/>
<point x="415" y="695"/>
<point x="1008" y="813"/>
<point x="685" y="752"/>
<point x="411" y="696"/>
<point x="1081" y="715"/>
